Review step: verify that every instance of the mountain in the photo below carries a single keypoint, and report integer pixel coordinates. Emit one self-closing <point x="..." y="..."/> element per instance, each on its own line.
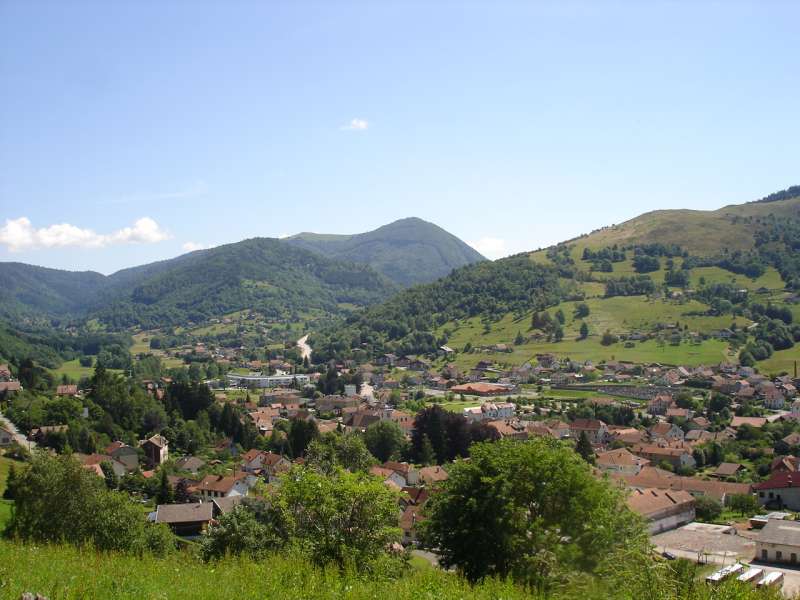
<point x="408" y="251"/>
<point x="671" y="286"/>
<point x="31" y="291"/>
<point x="264" y="274"/>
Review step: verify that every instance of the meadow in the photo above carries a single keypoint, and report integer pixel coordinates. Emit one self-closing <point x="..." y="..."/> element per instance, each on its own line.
<point x="67" y="573"/>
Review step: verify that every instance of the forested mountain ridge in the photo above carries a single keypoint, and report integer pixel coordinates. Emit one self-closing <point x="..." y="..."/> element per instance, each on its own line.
<point x="408" y="251"/>
<point x="406" y="323"/>
<point x="260" y="273"/>
<point x="31" y="291"/>
<point x="306" y="271"/>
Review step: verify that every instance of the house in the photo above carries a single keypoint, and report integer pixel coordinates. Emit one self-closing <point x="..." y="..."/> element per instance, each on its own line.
<point x="6" y="436"/>
<point x="793" y="439"/>
<point x="666" y="432"/>
<point x="432" y="475"/>
<point x="91" y="460"/>
<point x="404" y="420"/>
<point x="9" y="386"/>
<point x="156" y="450"/>
<point x="5" y="373"/>
<point x="192" y="464"/>
<point x="659" y="404"/>
<point x="225" y="505"/>
<point x="595" y="430"/>
<point x="727" y="469"/>
<point x="773" y="397"/>
<point x="38" y="434"/>
<point x="186" y="520"/>
<point x="626" y="435"/>
<point x="781" y="490"/>
<point x="219" y="486"/>
<point x="409" y="472"/>
<point x="490" y="411"/>
<point x="620" y="461"/>
<point x="789" y="464"/>
<point x="560" y="429"/>
<point x="509" y="429"/>
<point x="67" y="390"/>
<point x="412" y="515"/>
<point x="121" y="452"/>
<point x="388" y="475"/>
<point x="662" y="509"/>
<point x="652" y="477"/>
<point x="779" y="542"/>
<point x="678" y="413"/>
<point x="677" y="457"/>
<point x="757" y="422"/>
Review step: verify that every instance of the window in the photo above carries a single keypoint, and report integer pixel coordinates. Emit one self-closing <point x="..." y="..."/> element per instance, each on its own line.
<point x="778" y="555"/>
<point x="764" y="555"/>
<point x="793" y="558"/>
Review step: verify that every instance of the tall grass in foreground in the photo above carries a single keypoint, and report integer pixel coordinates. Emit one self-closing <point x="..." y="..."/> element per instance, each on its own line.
<point x="66" y="573"/>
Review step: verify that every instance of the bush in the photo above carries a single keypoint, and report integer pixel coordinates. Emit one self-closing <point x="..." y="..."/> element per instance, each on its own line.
<point x="57" y="500"/>
<point x="707" y="508"/>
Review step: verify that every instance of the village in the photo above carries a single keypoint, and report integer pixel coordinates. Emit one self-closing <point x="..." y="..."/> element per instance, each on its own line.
<point x="708" y="455"/>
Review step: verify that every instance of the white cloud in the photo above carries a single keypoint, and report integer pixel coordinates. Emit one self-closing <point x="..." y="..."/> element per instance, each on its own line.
<point x="356" y="125"/>
<point x="20" y="234"/>
<point x="491" y="247"/>
<point x="192" y="246"/>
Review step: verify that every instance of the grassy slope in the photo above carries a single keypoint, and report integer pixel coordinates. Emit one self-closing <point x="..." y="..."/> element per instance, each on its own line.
<point x="619" y="314"/>
<point x="701" y="232"/>
<point x="66" y="573"/>
<point x="5" y="505"/>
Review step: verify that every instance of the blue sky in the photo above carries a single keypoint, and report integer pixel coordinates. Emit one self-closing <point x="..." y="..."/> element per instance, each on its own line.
<point x="131" y="131"/>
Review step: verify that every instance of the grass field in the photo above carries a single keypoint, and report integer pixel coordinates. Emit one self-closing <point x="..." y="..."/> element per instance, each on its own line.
<point x="74" y="370"/>
<point x="6" y="506"/>
<point x="781" y="361"/>
<point x="458" y="407"/>
<point x="771" y="279"/>
<point x="69" y="574"/>
<point x="619" y="315"/>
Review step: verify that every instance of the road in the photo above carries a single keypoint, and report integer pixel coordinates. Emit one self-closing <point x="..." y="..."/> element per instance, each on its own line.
<point x="18" y="437"/>
<point x="305" y="349"/>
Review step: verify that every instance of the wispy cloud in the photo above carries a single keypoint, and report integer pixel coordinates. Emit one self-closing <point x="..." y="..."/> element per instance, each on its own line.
<point x="356" y="125"/>
<point x="194" y="190"/>
<point x="491" y="247"/>
<point x="20" y="234"/>
<point x="192" y="246"/>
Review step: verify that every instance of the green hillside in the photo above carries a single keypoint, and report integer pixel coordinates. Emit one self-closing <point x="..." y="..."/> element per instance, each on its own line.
<point x="674" y="287"/>
<point x="700" y="232"/>
<point x="408" y="251"/>
<point x="31" y="292"/>
<point x="261" y="273"/>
